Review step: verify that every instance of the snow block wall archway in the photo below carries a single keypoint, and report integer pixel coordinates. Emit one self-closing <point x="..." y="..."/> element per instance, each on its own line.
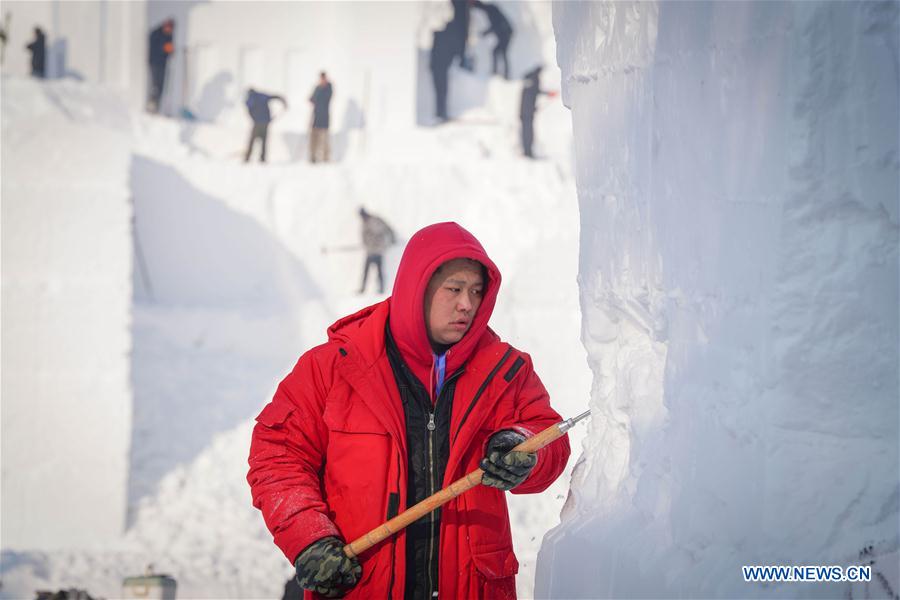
<point x="737" y="170"/>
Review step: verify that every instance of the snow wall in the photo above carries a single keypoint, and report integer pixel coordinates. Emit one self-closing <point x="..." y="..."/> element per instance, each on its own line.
<point x="100" y="42"/>
<point x="531" y="45"/>
<point x="737" y="172"/>
<point x="224" y="48"/>
<point x="66" y="264"/>
<point x="366" y="48"/>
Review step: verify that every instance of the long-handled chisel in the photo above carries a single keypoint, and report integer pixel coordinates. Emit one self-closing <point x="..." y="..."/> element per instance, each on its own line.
<point x="414" y="513"/>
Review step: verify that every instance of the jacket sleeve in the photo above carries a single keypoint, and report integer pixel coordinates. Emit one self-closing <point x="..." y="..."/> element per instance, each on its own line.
<point x="533" y="414"/>
<point x="286" y="456"/>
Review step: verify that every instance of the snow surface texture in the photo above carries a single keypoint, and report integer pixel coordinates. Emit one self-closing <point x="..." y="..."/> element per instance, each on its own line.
<point x="737" y="172"/>
<point x="66" y="304"/>
<point x="231" y="285"/>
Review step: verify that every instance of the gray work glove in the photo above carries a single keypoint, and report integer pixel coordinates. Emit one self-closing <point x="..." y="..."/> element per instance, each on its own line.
<point x="504" y="469"/>
<point x="324" y="568"/>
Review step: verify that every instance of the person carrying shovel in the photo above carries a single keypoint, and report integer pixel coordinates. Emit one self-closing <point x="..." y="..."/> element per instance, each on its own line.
<point x="405" y="397"/>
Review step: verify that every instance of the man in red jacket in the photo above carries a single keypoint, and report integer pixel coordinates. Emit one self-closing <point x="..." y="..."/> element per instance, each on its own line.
<point x="406" y="396"/>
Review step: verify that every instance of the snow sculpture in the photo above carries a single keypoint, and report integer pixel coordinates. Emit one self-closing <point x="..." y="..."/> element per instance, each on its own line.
<point x="737" y="168"/>
<point x="67" y="259"/>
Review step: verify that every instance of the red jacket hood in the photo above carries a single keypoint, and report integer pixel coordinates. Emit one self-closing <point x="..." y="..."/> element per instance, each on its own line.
<point x="428" y="249"/>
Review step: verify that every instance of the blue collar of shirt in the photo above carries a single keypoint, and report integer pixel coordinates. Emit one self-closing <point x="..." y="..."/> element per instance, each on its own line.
<point x="440" y="368"/>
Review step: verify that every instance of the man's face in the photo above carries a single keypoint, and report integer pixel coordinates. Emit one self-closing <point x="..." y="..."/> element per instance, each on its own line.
<point x="452" y="299"/>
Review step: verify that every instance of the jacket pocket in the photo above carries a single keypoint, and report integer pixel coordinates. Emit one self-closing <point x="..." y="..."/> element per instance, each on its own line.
<point x="357" y="463"/>
<point x="496" y="576"/>
<point x="275" y="414"/>
<point x="487" y="520"/>
<point x="270" y="435"/>
<point x="351" y="415"/>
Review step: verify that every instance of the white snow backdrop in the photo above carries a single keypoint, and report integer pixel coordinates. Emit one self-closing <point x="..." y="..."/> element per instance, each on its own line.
<point x="737" y="172"/>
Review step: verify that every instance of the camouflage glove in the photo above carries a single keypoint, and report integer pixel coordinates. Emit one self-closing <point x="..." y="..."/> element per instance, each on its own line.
<point x="324" y="568"/>
<point x="504" y="469"/>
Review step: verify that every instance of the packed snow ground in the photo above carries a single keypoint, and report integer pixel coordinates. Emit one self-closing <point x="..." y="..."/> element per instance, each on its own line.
<point x="237" y="273"/>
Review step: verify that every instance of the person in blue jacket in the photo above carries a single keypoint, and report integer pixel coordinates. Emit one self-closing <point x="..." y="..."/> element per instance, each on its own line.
<point x="258" y="107"/>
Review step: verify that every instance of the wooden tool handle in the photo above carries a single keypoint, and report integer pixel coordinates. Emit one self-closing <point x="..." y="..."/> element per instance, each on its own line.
<point x="536" y="442"/>
<point x="463" y="484"/>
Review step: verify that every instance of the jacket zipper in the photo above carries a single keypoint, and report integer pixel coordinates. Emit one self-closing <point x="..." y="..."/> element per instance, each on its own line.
<point x="432" y="485"/>
<point x="430" y="428"/>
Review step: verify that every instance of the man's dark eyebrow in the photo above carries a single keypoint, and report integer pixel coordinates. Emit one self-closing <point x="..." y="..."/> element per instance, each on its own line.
<point x="462" y="282"/>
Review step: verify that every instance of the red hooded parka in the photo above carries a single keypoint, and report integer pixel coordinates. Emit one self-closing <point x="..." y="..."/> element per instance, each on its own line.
<point x="329" y="452"/>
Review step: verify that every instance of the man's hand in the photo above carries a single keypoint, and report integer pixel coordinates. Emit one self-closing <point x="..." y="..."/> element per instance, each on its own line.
<point x="504" y="469"/>
<point x="324" y="568"/>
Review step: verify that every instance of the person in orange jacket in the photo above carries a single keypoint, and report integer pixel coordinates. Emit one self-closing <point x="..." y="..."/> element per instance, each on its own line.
<point x="161" y="48"/>
<point x="406" y="396"/>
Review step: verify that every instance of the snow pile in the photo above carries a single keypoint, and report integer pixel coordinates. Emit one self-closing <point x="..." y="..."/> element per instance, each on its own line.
<point x="67" y="309"/>
<point x="231" y="285"/>
<point x="737" y="169"/>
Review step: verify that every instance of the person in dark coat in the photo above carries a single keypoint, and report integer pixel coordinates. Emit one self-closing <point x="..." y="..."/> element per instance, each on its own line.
<point x="377" y="237"/>
<point x="443" y="50"/>
<point x="161" y="47"/>
<point x="459" y="30"/>
<point x="319" y="145"/>
<point x="258" y="107"/>
<point x="38" y="49"/>
<point x="501" y="28"/>
<point x="530" y="92"/>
